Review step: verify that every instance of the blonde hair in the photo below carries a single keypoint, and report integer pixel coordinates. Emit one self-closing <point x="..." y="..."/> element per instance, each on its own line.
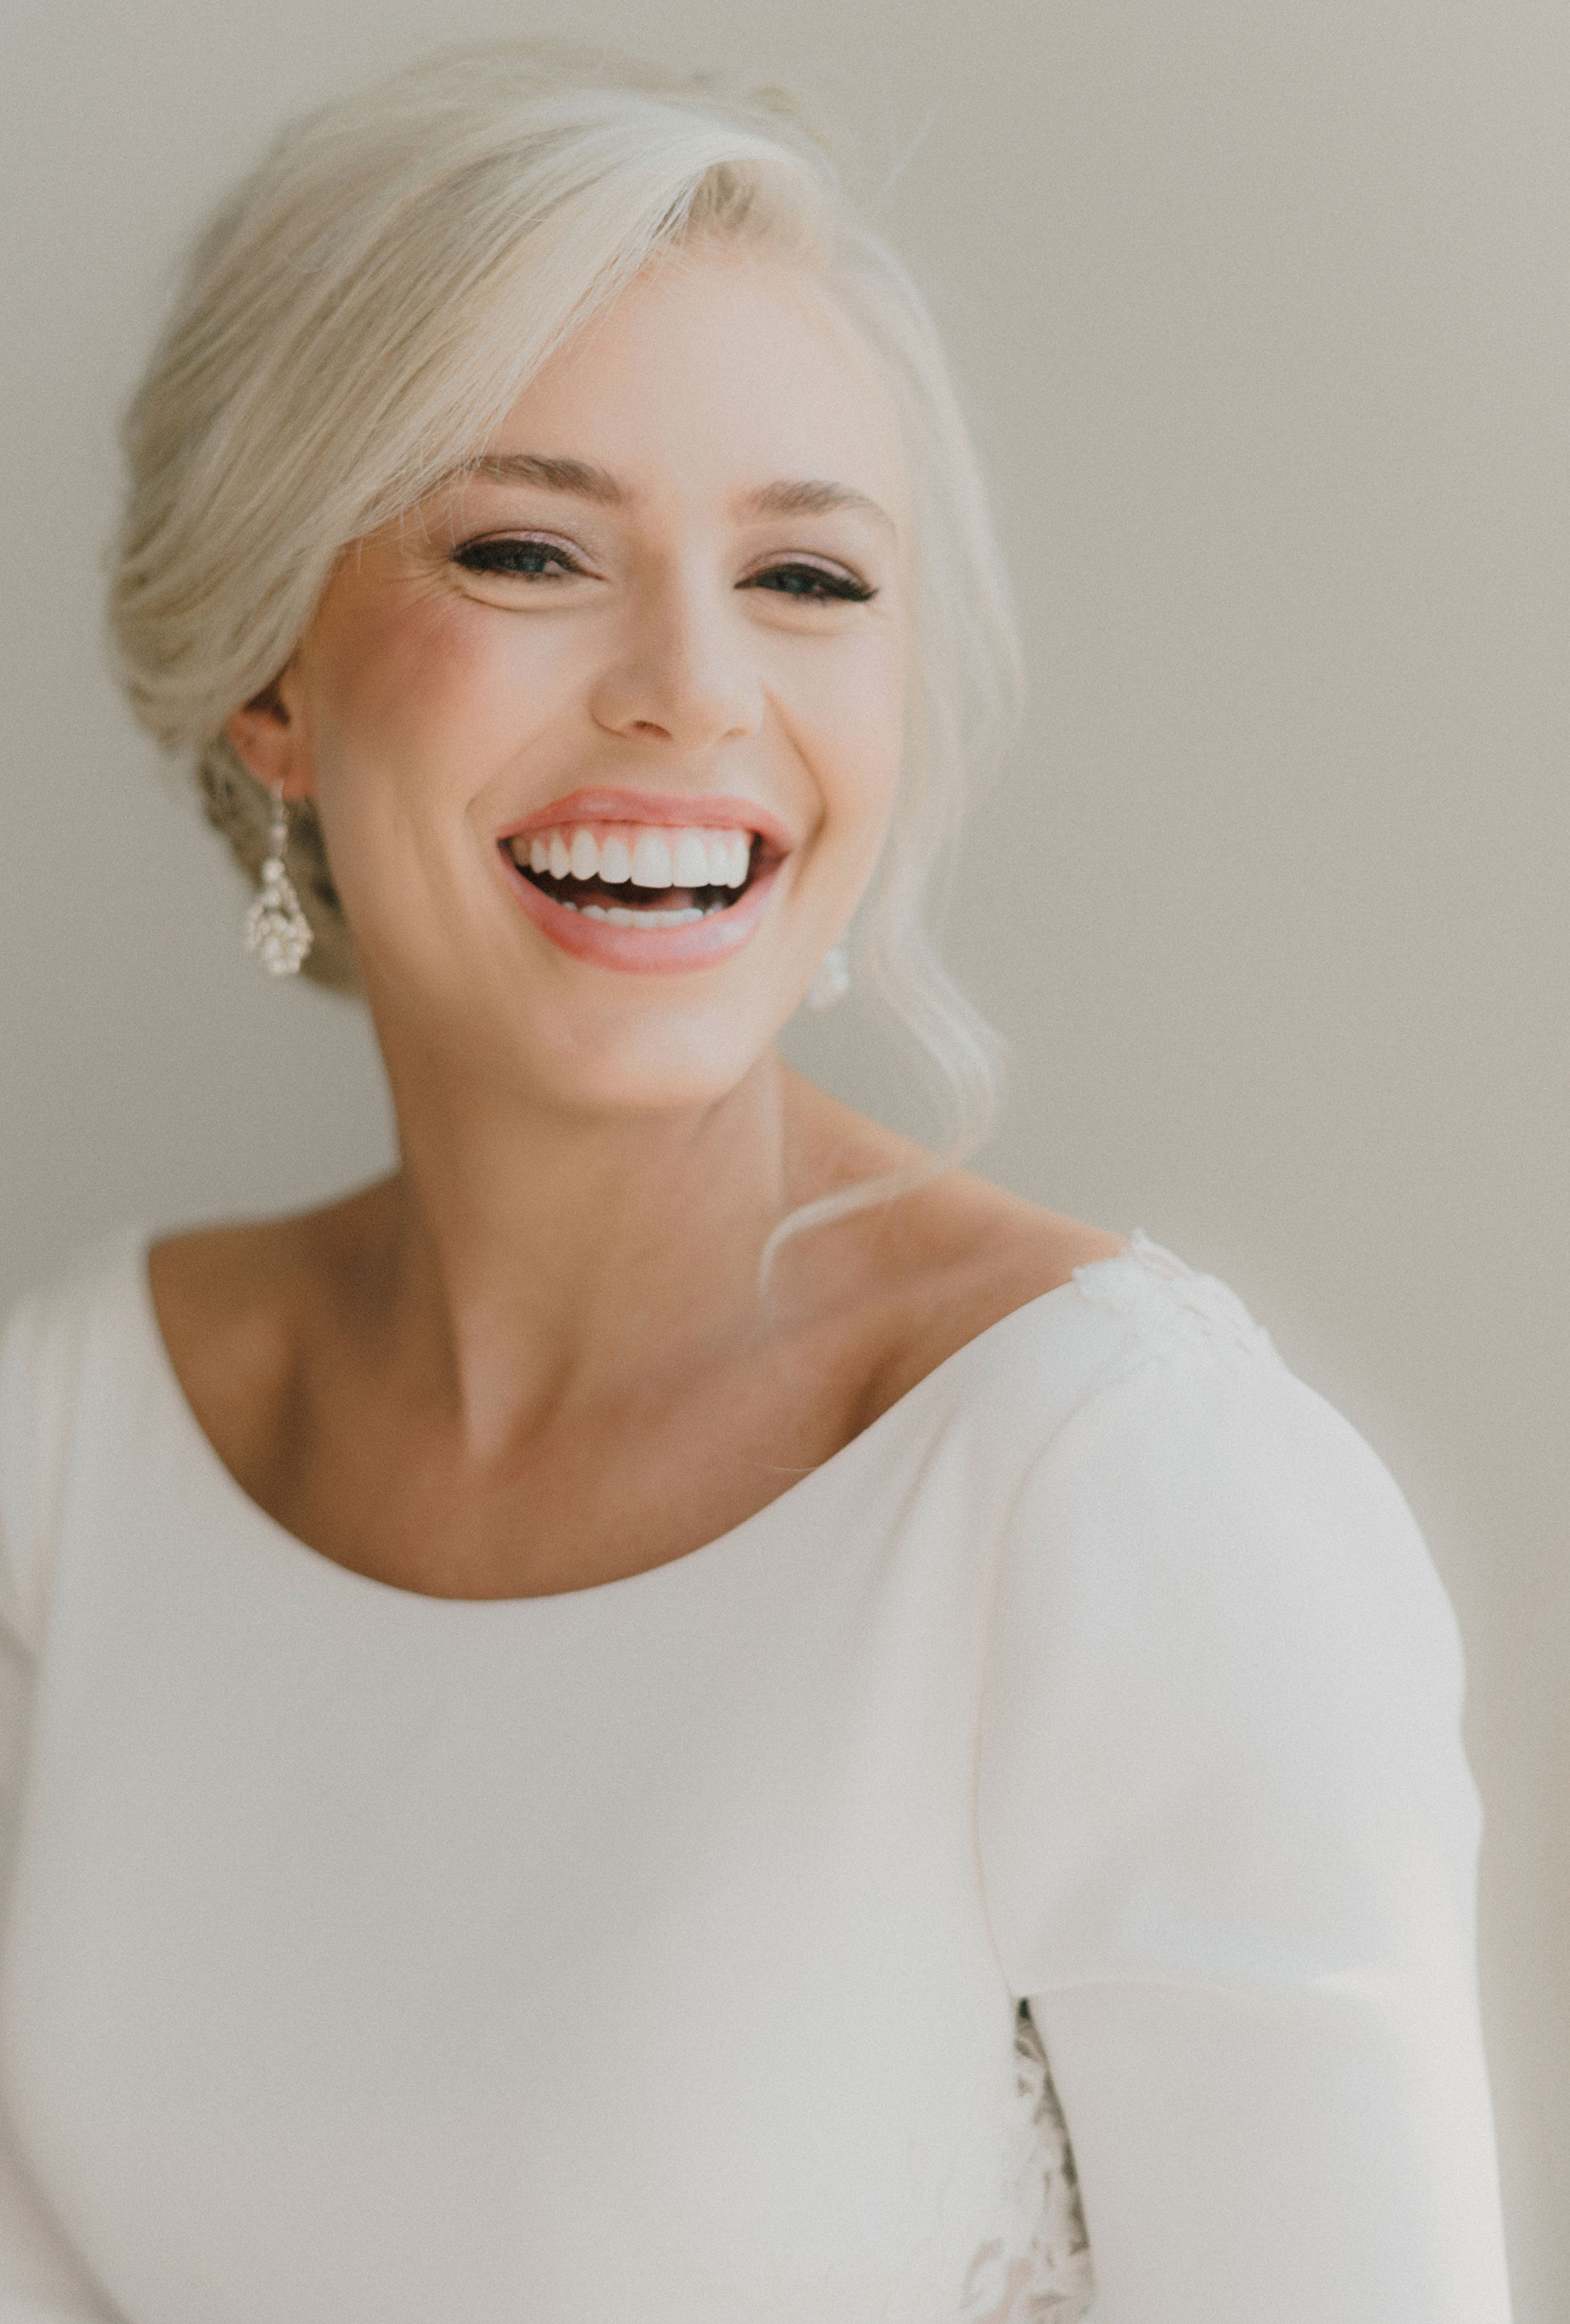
<point x="361" y="314"/>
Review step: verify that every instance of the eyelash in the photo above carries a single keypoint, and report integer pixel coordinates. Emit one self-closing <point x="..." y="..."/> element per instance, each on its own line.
<point x="506" y="555"/>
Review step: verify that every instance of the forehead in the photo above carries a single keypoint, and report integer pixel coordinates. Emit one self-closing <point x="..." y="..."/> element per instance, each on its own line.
<point x="714" y="374"/>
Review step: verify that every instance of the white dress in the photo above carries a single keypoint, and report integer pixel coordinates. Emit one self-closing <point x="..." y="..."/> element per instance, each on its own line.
<point x="655" y="1953"/>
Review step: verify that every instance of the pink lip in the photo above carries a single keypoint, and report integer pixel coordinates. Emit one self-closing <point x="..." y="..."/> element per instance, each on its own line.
<point x="702" y="943"/>
<point x="676" y="810"/>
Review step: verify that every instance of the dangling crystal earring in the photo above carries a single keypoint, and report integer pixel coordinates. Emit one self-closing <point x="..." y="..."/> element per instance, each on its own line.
<point x="276" y="929"/>
<point x="832" y="981"/>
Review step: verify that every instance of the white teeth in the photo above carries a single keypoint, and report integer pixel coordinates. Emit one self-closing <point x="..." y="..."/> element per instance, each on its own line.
<point x="656" y="858"/>
<point x="690" y="860"/>
<point x="619" y="917"/>
<point x="651" y="861"/>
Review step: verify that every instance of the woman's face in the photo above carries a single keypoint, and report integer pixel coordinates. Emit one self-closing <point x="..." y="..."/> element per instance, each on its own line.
<point x="605" y="736"/>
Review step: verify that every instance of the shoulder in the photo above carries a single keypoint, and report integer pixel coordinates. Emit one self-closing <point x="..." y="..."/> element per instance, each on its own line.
<point x="224" y="1299"/>
<point x="952" y="1259"/>
<point x="1188" y="1416"/>
<point x="1211" y="1504"/>
<point x="222" y="1289"/>
<point x="237" y="1304"/>
<point x="251" y="1282"/>
<point x="1209" y="1589"/>
<point x="1151" y="1441"/>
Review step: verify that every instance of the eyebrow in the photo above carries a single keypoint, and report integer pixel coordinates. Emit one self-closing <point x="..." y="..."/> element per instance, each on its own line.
<point x="808" y="496"/>
<point x="814" y="497"/>
<point x="575" y="476"/>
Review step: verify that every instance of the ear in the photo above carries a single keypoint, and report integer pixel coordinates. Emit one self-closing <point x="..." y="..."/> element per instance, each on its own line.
<point x="269" y="738"/>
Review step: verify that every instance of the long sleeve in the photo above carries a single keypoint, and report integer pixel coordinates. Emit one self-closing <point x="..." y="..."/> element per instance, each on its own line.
<point x="1228" y="1840"/>
<point x="39" y="2280"/>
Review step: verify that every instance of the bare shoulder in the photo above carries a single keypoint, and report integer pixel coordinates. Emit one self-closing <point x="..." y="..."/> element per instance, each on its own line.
<point x="230" y="1277"/>
<point x="906" y="1284"/>
<point x="903" y="1286"/>
<point x="968" y="1254"/>
<point x="1007" y="1249"/>
<point x="232" y="1304"/>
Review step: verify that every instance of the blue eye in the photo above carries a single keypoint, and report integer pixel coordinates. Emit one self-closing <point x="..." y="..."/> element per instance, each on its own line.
<point x="531" y="560"/>
<point x="816" y="584"/>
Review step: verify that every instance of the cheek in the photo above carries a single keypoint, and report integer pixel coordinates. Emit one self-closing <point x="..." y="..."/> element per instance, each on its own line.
<point x="401" y="709"/>
<point x="416" y="714"/>
<point x="414" y="687"/>
<point x="852" y="735"/>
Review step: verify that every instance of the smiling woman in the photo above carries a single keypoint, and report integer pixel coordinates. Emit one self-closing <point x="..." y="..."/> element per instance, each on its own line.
<point x="385" y="261"/>
<point x="581" y="1751"/>
<point x="616" y="590"/>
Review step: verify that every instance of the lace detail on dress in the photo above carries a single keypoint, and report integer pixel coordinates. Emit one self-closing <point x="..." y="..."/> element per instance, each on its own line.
<point x="1152" y="1287"/>
<point x="1038" y="2272"/>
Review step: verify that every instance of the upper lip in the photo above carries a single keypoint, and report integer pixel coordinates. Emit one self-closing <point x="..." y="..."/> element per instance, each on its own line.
<point x="672" y="810"/>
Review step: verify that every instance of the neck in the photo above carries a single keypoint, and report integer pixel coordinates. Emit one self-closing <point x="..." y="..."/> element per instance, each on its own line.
<point x="534" y="1260"/>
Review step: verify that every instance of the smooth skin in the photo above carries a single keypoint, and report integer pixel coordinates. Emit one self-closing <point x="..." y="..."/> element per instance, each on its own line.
<point x="536" y="1357"/>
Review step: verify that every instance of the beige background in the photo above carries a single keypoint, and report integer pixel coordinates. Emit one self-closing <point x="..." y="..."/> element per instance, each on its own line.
<point x="1261" y="309"/>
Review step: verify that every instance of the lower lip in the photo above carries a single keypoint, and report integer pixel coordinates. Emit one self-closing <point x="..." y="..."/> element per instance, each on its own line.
<point x="644" y="951"/>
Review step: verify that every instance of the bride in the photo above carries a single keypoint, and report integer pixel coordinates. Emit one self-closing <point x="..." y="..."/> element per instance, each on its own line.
<point x="682" y="1713"/>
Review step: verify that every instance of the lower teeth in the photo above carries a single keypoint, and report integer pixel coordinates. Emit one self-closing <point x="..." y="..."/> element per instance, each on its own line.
<point x="619" y="917"/>
<point x="623" y="916"/>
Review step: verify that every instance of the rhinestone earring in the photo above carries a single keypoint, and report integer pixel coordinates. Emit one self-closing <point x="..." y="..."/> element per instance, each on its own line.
<point x="831" y="982"/>
<point x="276" y="929"/>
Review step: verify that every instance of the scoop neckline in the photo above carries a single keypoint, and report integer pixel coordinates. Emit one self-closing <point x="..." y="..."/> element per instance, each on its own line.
<point x="217" y="1471"/>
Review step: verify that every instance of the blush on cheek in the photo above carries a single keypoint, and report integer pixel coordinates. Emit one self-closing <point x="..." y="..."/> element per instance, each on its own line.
<point x="422" y="710"/>
<point x="418" y="671"/>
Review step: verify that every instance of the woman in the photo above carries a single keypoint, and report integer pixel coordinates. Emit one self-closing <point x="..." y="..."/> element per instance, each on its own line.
<point x="585" y="1722"/>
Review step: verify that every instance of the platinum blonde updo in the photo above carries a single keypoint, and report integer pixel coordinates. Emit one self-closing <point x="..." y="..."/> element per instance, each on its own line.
<point x="366" y="307"/>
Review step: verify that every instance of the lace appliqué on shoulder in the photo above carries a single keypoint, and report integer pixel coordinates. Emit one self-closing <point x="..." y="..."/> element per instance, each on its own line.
<point x="1153" y="1288"/>
<point x="1038" y="2272"/>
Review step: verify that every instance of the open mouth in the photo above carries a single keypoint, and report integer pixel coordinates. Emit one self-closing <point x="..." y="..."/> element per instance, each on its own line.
<point x="640" y="875"/>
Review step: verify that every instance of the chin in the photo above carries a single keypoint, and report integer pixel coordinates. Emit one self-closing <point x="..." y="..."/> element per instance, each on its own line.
<point x="575" y="1040"/>
<point x="677" y="1067"/>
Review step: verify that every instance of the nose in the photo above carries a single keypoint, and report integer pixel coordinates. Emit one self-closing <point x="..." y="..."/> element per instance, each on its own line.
<point x="682" y="673"/>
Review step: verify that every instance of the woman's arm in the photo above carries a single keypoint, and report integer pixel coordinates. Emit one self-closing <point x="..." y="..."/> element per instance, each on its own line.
<point x="1228" y="1838"/>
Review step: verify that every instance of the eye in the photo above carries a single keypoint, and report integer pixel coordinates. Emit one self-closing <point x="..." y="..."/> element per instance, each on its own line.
<point x="816" y="584"/>
<point x="518" y="555"/>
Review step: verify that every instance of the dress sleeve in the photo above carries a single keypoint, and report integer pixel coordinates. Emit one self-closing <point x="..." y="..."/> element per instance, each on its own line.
<point x="41" y="2283"/>
<point x="1228" y="1841"/>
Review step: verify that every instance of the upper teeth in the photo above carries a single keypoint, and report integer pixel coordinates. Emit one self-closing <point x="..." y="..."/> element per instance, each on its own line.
<point x="642" y="854"/>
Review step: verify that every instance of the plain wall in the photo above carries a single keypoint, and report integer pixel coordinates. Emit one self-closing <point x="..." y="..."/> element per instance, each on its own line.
<point x="1260" y="307"/>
